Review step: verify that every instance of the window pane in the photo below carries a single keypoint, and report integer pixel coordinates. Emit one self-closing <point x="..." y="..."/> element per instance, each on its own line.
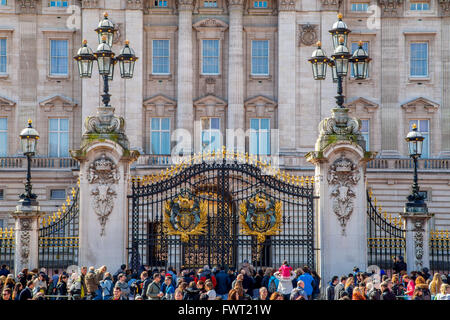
<point x="215" y="140"/>
<point x="161" y="58"/>
<point x="265" y="124"/>
<point x="53" y="125"/>
<point x="64" y="145"/>
<point x="210" y="54"/>
<point x="57" y="194"/>
<point x="260" y="57"/>
<point x="3" y="56"/>
<point x="58" y="56"/>
<point x="264" y="145"/>
<point x="254" y="142"/>
<point x="423" y="125"/>
<point x="165" y="143"/>
<point x="53" y="144"/>
<point x="419" y="59"/>
<point x="165" y="124"/>
<point x="3" y="144"/>
<point x="254" y="124"/>
<point x="215" y="123"/>
<point x="364" y="125"/>
<point x="156" y="145"/>
<point x="64" y="124"/>
<point x="426" y="146"/>
<point x="155" y="123"/>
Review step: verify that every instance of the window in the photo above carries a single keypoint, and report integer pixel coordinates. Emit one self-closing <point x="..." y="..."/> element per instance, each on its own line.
<point x="160" y="3"/>
<point x="423" y="128"/>
<point x="161" y="57"/>
<point x="4" y="2"/>
<point x="360" y="6"/>
<point x="260" y="57"/>
<point x="60" y="4"/>
<point x="59" y="57"/>
<point x="3" y="55"/>
<point x="57" y="194"/>
<point x="260" y="4"/>
<point x="260" y="136"/>
<point x="211" y="137"/>
<point x="355" y="46"/>
<point x="58" y="138"/>
<point x="210" y="4"/>
<point x="160" y="136"/>
<point x="3" y="137"/>
<point x="419" y="59"/>
<point x="2" y="197"/>
<point x="210" y="50"/>
<point x="420" y="6"/>
<point x="365" y="131"/>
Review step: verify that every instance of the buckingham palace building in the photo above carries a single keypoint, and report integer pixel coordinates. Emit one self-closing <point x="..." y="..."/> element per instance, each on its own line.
<point x="210" y="67"/>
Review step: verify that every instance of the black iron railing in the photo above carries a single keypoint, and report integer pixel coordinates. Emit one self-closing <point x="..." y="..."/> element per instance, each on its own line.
<point x="440" y="251"/>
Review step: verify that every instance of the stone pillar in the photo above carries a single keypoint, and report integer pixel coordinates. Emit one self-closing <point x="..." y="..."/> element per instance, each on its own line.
<point x="236" y="112"/>
<point x="104" y="179"/>
<point x="287" y="46"/>
<point x="133" y="111"/>
<point x="445" y="107"/>
<point x="340" y="163"/>
<point x="185" y="110"/>
<point x="26" y="237"/>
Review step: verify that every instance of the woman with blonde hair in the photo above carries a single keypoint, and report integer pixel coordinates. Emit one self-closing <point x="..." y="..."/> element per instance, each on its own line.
<point x="435" y="285"/>
<point x="445" y="292"/>
<point x="349" y="285"/>
<point x="276" y="296"/>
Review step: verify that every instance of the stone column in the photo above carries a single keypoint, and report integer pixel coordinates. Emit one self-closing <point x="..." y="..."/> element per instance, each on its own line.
<point x="287" y="47"/>
<point x="26" y="237"/>
<point x="236" y="112"/>
<point x="445" y="107"/>
<point x="340" y="163"/>
<point x="133" y="111"/>
<point x="185" y="110"/>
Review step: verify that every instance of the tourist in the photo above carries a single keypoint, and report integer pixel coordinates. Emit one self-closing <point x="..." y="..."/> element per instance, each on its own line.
<point x="154" y="289"/>
<point x="263" y="294"/>
<point x="233" y="295"/>
<point x="121" y="270"/>
<point x="372" y="292"/>
<point x="123" y="285"/>
<point x="167" y="288"/>
<point x="27" y="293"/>
<point x="445" y="292"/>
<point x="192" y="292"/>
<point x="257" y="282"/>
<point x="4" y="271"/>
<point x="223" y="283"/>
<point x="329" y="291"/>
<point x="201" y="286"/>
<point x="107" y="286"/>
<point x="285" y="284"/>
<point x="349" y="285"/>
<point x="92" y="283"/>
<point x="6" y="294"/>
<point x="386" y="291"/>
<point x="118" y="295"/>
<point x="178" y="294"/>
<point x="78" y="288"/>
<point x="421" y="284"/>
<point x="210" y="290"/>
<point x="299" y="292"/>
<point x="340" y="288"/>
<point x="308" y="280"/>
<point x="316" y="285"/>
<point x="273" y="282"/>
<point x="16" y="292"/>
<point x="435" y="285"/>
<point x="239" y="287"/>
<point x="276" y="296"/>
<point x="266" y="278"/>
<point x="61" y="286"/>
<point x="40" y="285"/>
<point x="142" y="284"/>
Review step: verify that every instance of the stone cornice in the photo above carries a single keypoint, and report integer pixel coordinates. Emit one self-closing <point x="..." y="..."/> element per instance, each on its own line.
<point x="210" y="23"/>
<point x="235" y="3"/>
<point x="26" y="6"/>
<point x="6" y="104"/>
<point x="331" y="4"/>
<point x="428" y="105"/>
<point x="89" y="4"/>
<point x="390" y="7"/>
<point x="286" y="5"/>
<point x="135" y="4"/>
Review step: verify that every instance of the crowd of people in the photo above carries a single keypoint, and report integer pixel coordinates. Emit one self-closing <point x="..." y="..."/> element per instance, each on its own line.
<point x="246" y="283"/>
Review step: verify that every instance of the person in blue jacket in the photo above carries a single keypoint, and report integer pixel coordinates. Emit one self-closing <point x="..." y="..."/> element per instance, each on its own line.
<point x="223" y="285"/>
<point x="308" y="280"/>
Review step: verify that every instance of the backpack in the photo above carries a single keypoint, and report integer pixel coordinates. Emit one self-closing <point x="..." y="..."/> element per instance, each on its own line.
<point x="272" y="286"/>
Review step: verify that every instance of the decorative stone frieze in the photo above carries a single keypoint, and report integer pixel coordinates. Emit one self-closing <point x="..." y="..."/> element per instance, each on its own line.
<point x="286" y="5"/>
<point x="307" y="34"/>
<point x="185" y="5"/>
<point x="331" y="4"/>
<point x="26" y="6"/>
<point x="390" y="7"/>
<point x="89" y="4"/>
<point x="445" y="7"/>
<point x="135" y="4"/>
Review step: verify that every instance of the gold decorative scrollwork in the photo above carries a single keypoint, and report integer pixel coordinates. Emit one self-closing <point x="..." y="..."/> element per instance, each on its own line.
<point x="185" y="216"/>
<point x="261" y="217"/>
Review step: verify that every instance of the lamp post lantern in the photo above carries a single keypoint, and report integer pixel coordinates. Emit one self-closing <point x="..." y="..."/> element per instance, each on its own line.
<point x="106" y="58"/>
<point x="28" y="138"/>
<point x="339" y="61"/>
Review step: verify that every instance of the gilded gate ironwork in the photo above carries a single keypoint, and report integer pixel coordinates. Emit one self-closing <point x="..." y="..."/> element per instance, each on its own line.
<point x="58" y="236"/>
<point x="386" y="236"/>
<point x="221" y="183"/>
<point x="439" y="251"/>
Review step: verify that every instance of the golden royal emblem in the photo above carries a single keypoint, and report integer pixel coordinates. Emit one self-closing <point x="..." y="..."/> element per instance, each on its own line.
<point x="185" y="216"/>
<point x="261" y="217"/>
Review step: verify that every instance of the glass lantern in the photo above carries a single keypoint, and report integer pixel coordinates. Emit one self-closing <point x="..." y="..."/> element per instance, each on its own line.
<point x="127" y="59"/>
<point x="415" y="142"/>
<point x="106" y="29"/>
<point x="339" y="30"/>
<point x="105" y="57"/>
<point x="341" y="57"/>
<point x="319" y="62"/>
<point x="360" y="62"/>
<point x="85" y="60"/>
<point x="28" y="139"/>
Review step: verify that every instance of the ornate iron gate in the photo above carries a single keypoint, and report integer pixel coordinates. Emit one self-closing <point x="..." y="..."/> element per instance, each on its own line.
<point x="221" y="209"/>
<point x="386" y="236"/>
<point x="58" y="237"/>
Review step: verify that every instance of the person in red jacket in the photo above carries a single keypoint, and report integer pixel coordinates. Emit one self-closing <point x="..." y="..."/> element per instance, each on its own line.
<point x="205" y="274"/>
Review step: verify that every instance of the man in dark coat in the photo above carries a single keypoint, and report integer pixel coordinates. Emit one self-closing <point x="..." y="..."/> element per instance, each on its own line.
<point x="386" y="292"/>
<point x="223" y="283"/>
<point x="27" y="293"/>
<point x="330" y="289"/>
<point x="4" y="271"/>
<point x="340" y="288"/>
<point x="399" y="265"/>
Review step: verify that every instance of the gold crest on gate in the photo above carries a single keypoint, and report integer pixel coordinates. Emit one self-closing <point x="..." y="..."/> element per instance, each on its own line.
<point x="261" y="217"/>
<point x="185" y="216"/>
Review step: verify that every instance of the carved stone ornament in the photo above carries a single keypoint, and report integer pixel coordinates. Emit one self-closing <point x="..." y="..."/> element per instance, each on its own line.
<point x="103" y="174"/>
<point x="27" y="6"/>
<point x="231" y="3"/>
<point x="308" y="34"/>
<point x="342" y="176"/>
<point x="25" y="238"/>
<point x="445" y="6"/>
<point x="135" y="4"/>
<point x="25" y="224"/>
<point x="389" y="7"/>
<point x="331" y="4"/>
<point x="185" y="4"/>
<point x="286" y="5"/>
<point x="117" y="39"/>
<point x="418" y="243"/>
<point x="89" y="3"/>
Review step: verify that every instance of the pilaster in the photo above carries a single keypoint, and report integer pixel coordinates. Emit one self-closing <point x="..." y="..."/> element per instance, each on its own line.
<point x="287" y="46"/>
<point x="445" y="108"/>
<point x="236" y="112"/>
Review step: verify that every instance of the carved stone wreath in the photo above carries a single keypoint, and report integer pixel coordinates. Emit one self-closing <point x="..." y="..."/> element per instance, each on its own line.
<point x="418" y="243"/>
<point x="103" y="174"/>
<point x="308" y="34"/>
<point x="342" y="176"/>
<point x="25" y="238"/>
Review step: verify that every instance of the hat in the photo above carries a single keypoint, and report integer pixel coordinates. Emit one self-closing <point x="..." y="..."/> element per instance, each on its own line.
<point x="168" y="275"/>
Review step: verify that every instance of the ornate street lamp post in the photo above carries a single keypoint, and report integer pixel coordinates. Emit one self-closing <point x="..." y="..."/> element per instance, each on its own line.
<point x="106" y="58"/>
<point x="340" y="59"/>
<point x="28" y="139"/>
<point x="415" y="142"/>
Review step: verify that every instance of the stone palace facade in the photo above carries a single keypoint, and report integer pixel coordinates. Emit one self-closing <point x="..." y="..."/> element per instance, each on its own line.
<point x="210" y="65"/>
